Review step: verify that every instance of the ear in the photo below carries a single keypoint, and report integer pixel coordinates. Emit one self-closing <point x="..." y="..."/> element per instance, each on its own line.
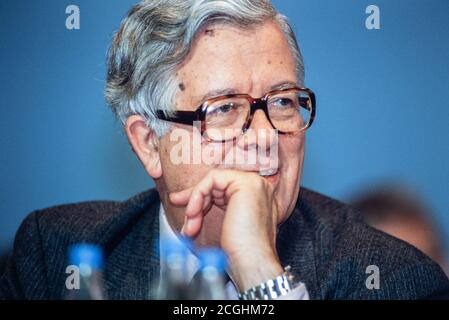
<point x="145" y="144"/>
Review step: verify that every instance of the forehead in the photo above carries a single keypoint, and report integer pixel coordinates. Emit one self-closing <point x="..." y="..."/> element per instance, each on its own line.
<point x="225" y="59"/>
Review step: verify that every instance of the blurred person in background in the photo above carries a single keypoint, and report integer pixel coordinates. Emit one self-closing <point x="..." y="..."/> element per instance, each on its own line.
<point x="402" y="213"/>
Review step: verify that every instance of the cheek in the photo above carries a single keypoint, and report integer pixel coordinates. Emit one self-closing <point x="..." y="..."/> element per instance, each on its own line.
<point x="186" y="161"/>
<point x="213" y="154"/>
<point x="291" y="149"/>
<point x="171" y="172"/>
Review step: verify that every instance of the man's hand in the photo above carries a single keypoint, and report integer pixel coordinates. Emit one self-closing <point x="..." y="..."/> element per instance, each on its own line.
<point x="249" y="226"/>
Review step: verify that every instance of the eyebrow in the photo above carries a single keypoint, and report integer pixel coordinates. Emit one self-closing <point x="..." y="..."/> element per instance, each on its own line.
<point x="219" y="92"/>
<point x="215" y="93"/>
<point x="284" y="85"/>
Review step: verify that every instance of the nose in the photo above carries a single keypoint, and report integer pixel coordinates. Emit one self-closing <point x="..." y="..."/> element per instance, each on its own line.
<point x="261" y="135"/>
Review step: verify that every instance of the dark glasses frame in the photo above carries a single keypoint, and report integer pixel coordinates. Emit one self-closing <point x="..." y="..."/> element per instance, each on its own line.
<point x="189" y="117"/>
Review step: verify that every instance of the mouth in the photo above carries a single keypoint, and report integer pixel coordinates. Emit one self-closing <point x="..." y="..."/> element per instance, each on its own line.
<point x="268" y="172"/>
<point x="272" y="175"/>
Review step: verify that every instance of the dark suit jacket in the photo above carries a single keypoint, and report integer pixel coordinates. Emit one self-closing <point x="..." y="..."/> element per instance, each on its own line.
<point x="324" y="241"/>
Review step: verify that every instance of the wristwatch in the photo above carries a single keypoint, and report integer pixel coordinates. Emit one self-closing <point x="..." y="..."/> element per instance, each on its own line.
<point x="271" y="289"/>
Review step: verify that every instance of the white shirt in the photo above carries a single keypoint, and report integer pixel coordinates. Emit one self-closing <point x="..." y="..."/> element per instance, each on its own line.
<point x="167" y="233"/>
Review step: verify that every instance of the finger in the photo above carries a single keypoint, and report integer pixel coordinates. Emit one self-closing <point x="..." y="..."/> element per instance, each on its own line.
<point x="196" y="202"/>
<point x="180" y="198"/>
<point x="198" y="195"/>
<point x="219" y="198"/>
<point x="199" y="199"/>
<point x="207" y="204"/>
<point x="214" y="185"/>
<point x="192" y="226"/>
<point x="217" y="193"/>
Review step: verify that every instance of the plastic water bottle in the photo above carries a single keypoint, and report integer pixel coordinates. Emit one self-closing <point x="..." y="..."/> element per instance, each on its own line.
<point x="210" y="281"/>
<point x="89" y="260"/>
<point x="173" y="284"/>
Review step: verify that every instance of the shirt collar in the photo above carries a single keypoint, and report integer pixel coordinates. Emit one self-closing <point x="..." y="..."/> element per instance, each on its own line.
<point x="168" y="234"/>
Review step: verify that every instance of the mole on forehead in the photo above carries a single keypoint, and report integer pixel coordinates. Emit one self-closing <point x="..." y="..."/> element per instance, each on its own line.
<point x="210" y="32"/>
<point x="182" y="86"/>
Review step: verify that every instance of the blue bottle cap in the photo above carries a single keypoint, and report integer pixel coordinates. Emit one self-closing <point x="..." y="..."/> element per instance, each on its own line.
<point x="213" y="257"/>
<point x="86" y="255"/>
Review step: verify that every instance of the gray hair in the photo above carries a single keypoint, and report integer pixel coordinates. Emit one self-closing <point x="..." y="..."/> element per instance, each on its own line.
<point x="155" y="38"/>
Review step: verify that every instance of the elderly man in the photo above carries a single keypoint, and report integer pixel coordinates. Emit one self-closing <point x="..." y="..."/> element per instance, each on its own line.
<point x="227" y="77"/>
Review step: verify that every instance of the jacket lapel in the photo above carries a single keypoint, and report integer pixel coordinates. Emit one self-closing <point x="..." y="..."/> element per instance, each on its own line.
<point x="295" y="245"/>
<point x="132" y="269"/>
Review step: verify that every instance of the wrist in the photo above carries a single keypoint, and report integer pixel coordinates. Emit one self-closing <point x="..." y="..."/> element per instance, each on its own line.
<point x="277" y="288"/>
<point x="251" y="270"/>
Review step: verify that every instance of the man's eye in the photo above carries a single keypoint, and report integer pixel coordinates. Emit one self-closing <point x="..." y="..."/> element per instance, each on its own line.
<point x="282" y="102"/>
<point x="225" y="108"/>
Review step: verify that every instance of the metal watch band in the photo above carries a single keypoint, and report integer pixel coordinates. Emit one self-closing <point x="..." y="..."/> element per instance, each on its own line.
<point x="271" y="289"/>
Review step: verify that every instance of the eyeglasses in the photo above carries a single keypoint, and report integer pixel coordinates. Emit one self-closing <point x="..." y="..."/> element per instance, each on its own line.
<point x="224" y="118"/>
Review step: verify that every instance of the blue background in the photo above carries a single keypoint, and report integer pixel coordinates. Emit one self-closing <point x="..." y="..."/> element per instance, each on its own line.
<point x="382" y="98"/>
